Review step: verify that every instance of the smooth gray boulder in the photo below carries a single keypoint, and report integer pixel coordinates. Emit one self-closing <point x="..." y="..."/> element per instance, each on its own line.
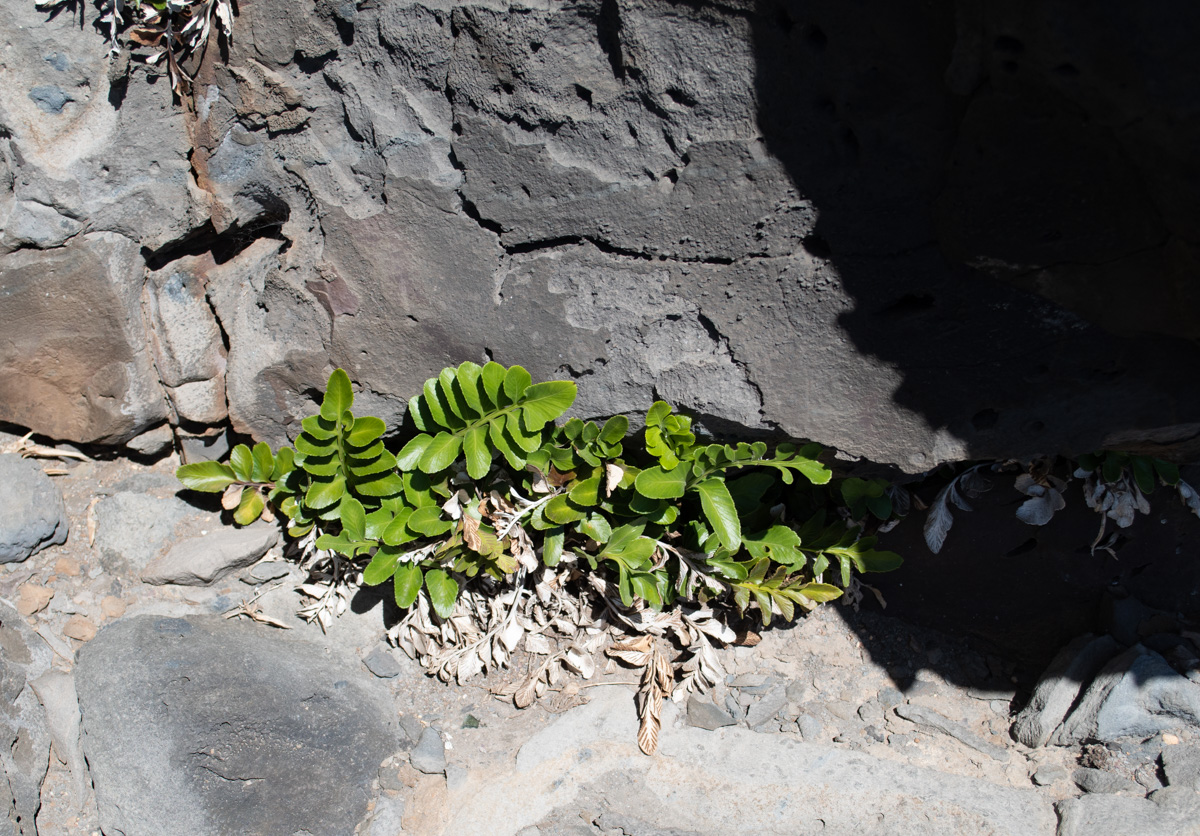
<point x="1181" y="765"/>
<point x="1056" y="691"/>
<point x="32" y="513"/>
<point x="24" y="738"/>
<point x="199" y="561"/>
<point x="207" y="727"/>
<point x="1137" y="694"/>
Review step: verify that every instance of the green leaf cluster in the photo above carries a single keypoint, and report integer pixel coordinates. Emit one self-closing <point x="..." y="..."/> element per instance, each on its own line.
<point x="490" y="483"/>
<point x="1145" y="470"/>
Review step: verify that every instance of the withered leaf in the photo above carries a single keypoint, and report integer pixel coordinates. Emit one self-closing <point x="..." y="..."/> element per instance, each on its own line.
<point x="232" y="497"/>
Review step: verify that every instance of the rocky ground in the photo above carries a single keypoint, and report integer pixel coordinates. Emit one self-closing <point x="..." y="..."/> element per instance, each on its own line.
<point x="195" y="721"/>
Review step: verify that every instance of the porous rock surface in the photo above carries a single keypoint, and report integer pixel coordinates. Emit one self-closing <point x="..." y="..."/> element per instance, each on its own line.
<point x="916" y="232"/>
<point x="203" y="726"/>
<point x="32" y="514"/>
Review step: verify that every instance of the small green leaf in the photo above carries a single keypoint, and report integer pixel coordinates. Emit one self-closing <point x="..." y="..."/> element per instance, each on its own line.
<point x="324" y="494"/>
<point x="382" y="463"/>
<point x="720" y="512"/>
<point x="552" y="546"/>
<point x="408" y="584"/>
<point x="264" y="462"/>
<point x="501" y="441"/>
<point x="365" y="431"/>
<point x="491" y="380"/>
<point x="210" y="477"/>
<point x="250" y="508"/>
<point x="339" y="397"/>
<point x="562" y="511"/>
<point x="586" y="492"/>
<point x="527" y="441"/>
<point x="467" y="376"/>
<point x="441" y="414"/>
<point x="656" y="483"/>
<point x="1168" y="472"/>
<point x="877" y="561"/>
<point x="644" y="585"/>
<point x="285" y="463"/>
<point x="397" y="531"/>
<point x="477" y="451"/>
<point x="819" y="592"/>
<point x="242" y="462"/>
<point x="657" y="413"/>
<point x="354" y="518"/>
<point x="596" y="527"/>
<point x="319" y="428"/>
<point x="379" y="484"/>
<point x="428" y="521"/>
<point x="410" y="456"/>
<point x="381" y="567"/>
<point x="516" y="381"/>
<point x="543" y="402"/>
<point x="306" y="445"/>
<point x="440" y="452"/>
<point x="1143" y="474"/>
<point x="443" y="591"/>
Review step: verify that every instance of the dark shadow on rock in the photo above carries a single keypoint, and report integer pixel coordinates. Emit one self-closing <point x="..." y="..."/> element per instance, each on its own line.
<point x="1014" y="249"/>
<point x="1000" y="194"/>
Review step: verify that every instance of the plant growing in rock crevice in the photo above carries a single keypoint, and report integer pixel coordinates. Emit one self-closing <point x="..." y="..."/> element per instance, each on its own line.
<point x="494" y="524"/>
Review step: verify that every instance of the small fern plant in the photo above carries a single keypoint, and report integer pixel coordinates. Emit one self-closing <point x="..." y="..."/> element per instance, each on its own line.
<point x="491" y="486"/>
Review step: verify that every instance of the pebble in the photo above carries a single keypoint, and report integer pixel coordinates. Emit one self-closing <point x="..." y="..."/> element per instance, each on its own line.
<point x="429" y="755"/>
<point x="767" y="708"/>
<point x="67" y="566"/>
<point x="1099" y="780"/>
<point x="810" y="727"/>
<point x="890" y="697"/>
<point x="704" y="714"/>
<point x="32" y="598"/>
<point x="382" y="663"/>
<point x="79" y="628"/>
<point x="1048" y="773"/>
<point x="112" y="606"/>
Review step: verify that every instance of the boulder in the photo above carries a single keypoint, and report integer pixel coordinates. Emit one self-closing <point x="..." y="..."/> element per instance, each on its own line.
<point x="262" y="733"/>
<point x="1059" y="687"/>
<point x="32" y="513"/>
<point x="24" y="738"/>
<point x="1137" y="694"/>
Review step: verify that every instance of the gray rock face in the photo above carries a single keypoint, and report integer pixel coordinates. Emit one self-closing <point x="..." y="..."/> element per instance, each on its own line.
<point x="24" y="738"/>
<point x="133" y="528"/>
<point x="1059" y="686"/>
<point x="200" y="561"/>
<point x="1167" y="812"/>
<point x="32" y="514"/>
<point x="228" y="728"/>
<point x="838" y="223"/>
<point x="703" y="713"/>
<point x="1137" y="694"/>
<point x="1181" y="764"/>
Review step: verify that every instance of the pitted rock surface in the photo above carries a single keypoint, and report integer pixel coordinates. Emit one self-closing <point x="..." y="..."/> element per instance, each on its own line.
<point x="203" y="727"/>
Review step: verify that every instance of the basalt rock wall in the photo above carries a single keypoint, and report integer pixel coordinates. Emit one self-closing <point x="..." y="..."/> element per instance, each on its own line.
<point x="915" y="231"/>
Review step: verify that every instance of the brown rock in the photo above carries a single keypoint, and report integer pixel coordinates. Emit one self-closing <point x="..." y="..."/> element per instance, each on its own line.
<point x="67" y="566"/>
<point x="78" y="627"/>
<point x="32" y="598"/>
<point x="112" y="606"/>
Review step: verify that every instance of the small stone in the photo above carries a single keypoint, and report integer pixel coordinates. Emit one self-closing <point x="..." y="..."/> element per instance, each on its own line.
<point x="267" y="571"/>
<point x="746" y="680"/>
<point x="890" y="697"/>
<point x="199" y="561"/>
<point x="1048" y="773"/>
<point x="703" y="714"/>
<point x="875" y="734"/>
<point x="429" y="755"/>
<point x="382" y="663"/>
<point x="80" y="628"/>
<point x="871" y="712"/>
<point x="67" y="566"/>
<point x="412" y="728"/>
<point x="1099" y="780"/>
<point x="112" y="606"/>
<point x="767" y="708"/>
<point x="32" y="598"/>
<point x="810" y="727"/>
<point x="1169" y="739"/>
<point x="930" y="719"/>
<point x="734" y="707"/>
<point x="390" y="779"/>
<point x="1147" y="776"/>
